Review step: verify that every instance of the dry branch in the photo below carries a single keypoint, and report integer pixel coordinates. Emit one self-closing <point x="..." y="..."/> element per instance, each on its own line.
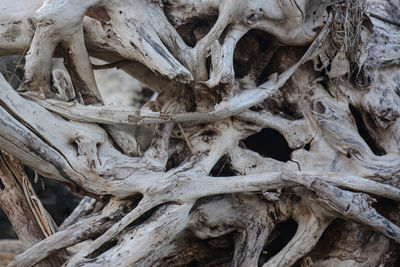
<point x="232" y="77"/>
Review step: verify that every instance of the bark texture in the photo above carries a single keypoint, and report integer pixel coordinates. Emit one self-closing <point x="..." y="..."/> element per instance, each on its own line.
<point x="273" y="137"/>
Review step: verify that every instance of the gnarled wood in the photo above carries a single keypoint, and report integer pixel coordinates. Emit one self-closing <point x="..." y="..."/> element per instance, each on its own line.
<point x="232" y="79"/>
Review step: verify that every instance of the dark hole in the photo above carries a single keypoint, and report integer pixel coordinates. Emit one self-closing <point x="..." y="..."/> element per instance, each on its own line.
<point x="397" y="90"/>
<point x="135" y="199"/>
<point x="361" y="77"/>
<point x="7" y="231"/>
<point x="196" y="26"/>
<point x="146" y="95"/>
<point x="282" y="234"/>
<point x="103" y="248"/>
<point x="275" y="64"/>
<point x="142" y="219"/>
<point x="256" y="108"/>
<point x="269" y="143"/>
<point x="250" y="51"/>
<point x="215" y="252"/>
<point x="307" y="146"/>
<point x="209" y="133"/>
<point x="389" y="209"/>
<point x="328" y="68"/>
<point x="363" y="131"/>
<point x="268" y="70"/>
<point x="179" y="156"/>
<point x="284" y="108"/>
<point x="147" y="92"/>
<point x="12" y="70"/>
<point x="222" y="168"/>
<point x="133" y="45"/>
<point x="319" y="107"/>
<point x="325" y="84"/>
<point x="208" y="64"/>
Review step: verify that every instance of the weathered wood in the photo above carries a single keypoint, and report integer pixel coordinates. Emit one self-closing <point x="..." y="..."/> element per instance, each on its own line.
<point x="230" y="77"/>
<point x="14" y="203"/>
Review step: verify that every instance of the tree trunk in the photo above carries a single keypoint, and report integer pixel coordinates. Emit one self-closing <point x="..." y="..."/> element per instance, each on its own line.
<point x="274" y="139"/>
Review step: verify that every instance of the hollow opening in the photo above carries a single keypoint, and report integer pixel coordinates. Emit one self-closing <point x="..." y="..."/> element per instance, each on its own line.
<point x="388" y="208"/>
<point x="103" y="248"/>
<point x="397" y="91"/>
<point x="284" y="108"/>
<point x="308" y="146"/>
<point x="363" y="132"/>
<point x="222" y="168"/>
<point x="280" y="237"/>
<point x="155" y="211"/>
<point x="268" y="70"/>
<point x="12" y="68"/>
<point x="143" y="218"/>
<point x="178" y="156"/>
<point x="7" y="231"/>
<point x="282" y="59"/>
<point x="217" y="251"/>
<point x="196" y="28"/>
<point x="135" y="199"/>
<point x="251" y="53"/>
<point x="269" y="143"/>
<point x="361" y="76"/>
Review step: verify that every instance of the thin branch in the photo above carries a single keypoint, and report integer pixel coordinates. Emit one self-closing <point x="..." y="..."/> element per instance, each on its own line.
<point x="43" y="218"/>
<point x="262" y="182"/>
<point x="353" y="206"/>
<point x="310" y="228"/>
<point x="190" y="147"/>
<point x="143" y="206"/>
<point x="356" y="207"/>
<point x="82" y="230"/>
<point x="86" y="206"/>
<point x="129" y="115"/>
<point x="15" y="205"/>
<point x="384" y="19"/>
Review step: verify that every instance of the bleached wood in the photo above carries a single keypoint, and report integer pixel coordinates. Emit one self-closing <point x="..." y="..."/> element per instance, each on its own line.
<point x="335" y="101"/>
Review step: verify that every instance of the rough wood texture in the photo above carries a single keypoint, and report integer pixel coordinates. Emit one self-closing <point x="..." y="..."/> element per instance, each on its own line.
<point x="18" y="209"/>
<point x="274" y="139"/>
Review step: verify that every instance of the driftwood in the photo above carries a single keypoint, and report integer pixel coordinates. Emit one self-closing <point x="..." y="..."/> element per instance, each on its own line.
<point x="323" y="75"/>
